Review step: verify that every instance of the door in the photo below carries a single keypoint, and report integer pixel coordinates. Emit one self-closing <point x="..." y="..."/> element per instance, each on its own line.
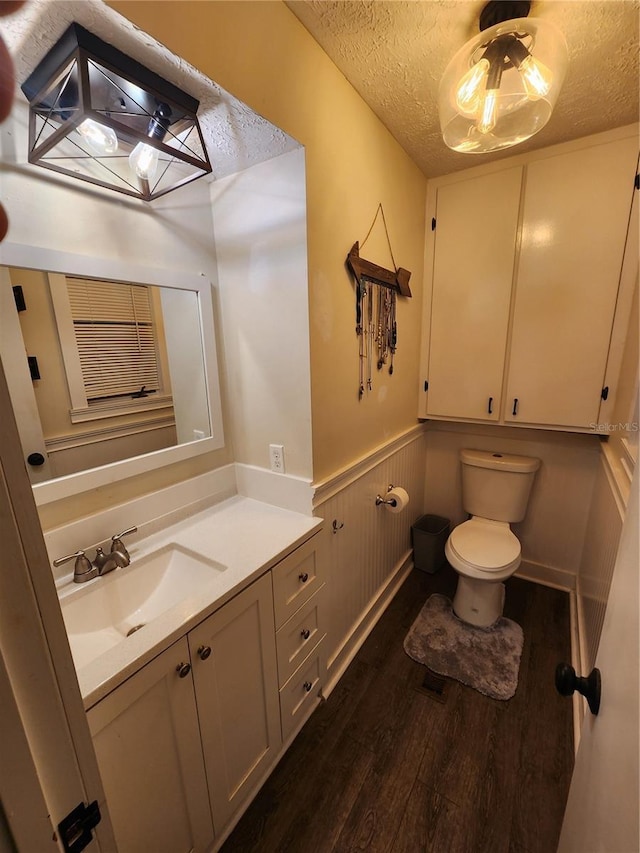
<point x="236" y="680"/>
<point x="45" y="740"/>
<point x="148" y="746"/>
<point x="475" y="246"/>
<point x="576" y="213"/>
<point x="602" y="809"/>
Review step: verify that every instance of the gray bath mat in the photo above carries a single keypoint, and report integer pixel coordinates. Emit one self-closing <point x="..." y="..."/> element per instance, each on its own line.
<point x="487" y="659"/>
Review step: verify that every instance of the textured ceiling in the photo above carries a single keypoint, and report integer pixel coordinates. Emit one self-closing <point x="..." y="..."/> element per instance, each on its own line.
<point x="394" y="53"/>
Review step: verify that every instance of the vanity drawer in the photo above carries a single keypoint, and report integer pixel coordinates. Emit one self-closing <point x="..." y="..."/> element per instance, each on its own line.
<point x="295" y="579"/>
<point x="299" y="635"/>
<point x="301" y="693"/>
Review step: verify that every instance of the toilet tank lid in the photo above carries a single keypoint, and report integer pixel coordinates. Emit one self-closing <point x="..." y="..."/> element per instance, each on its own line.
<point x="500" y="461"/>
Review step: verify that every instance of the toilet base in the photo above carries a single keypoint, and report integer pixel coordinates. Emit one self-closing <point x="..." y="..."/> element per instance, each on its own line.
<point x="478" y="602"/>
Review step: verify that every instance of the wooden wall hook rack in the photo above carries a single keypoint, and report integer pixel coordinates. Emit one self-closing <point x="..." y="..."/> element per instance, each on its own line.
<point x="397" y="280"/>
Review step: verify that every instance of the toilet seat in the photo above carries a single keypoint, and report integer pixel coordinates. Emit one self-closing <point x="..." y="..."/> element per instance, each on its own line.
<point x="481" y="547"/>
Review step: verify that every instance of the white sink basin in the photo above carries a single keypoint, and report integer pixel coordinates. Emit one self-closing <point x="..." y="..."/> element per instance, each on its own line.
<point x="111" y="608"/>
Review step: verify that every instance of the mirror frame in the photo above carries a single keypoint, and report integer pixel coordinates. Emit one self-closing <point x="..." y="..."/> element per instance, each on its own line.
<point x="111" y="269"/>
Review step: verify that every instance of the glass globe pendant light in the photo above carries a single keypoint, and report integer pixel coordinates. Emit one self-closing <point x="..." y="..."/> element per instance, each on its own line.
<point x="501" y="87"/>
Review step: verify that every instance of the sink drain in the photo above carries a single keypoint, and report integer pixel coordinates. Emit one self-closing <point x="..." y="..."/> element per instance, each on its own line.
<point x="134" y="629"/>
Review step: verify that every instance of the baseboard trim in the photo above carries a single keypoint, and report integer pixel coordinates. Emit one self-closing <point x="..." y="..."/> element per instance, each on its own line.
<point x="546" y="575"/>
<point x="338" y="664"/>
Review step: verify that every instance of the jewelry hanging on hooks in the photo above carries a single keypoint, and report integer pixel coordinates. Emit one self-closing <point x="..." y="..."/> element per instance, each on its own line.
<point x="376" y="294"/>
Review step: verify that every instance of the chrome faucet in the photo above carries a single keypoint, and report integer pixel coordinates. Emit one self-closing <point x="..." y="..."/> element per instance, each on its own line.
<point x="84" y="570"/>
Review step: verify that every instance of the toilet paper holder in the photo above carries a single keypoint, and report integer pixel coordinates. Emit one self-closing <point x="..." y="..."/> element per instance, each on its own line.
<point x="386" y="501"/>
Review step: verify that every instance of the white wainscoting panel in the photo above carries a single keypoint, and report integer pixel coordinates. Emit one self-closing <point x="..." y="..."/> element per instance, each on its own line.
<point x="370" y="551"/>
<point x="598" y="561"/>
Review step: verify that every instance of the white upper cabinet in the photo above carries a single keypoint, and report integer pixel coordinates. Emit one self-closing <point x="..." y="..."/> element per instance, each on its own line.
<point x="576" y="212"/>
<point x="526" y="272"/>
<point x="473" y="273"/>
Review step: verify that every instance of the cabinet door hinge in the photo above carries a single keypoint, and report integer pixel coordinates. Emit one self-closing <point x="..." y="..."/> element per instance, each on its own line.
<point x="605" y="392"/>
<point x="426" y="384"/>
<point x="433" y="224"/>
<point x="75" y="828"/>
<point x="637" y="182"/>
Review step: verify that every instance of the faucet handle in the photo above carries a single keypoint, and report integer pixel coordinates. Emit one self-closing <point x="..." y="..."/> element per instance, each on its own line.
<point x="116" y="544"/>
<point x="83" y="569"/>
<point x="79" y="556"/>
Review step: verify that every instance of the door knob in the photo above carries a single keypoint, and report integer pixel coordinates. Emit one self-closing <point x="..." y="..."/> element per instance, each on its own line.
<point x="567" y="681"/>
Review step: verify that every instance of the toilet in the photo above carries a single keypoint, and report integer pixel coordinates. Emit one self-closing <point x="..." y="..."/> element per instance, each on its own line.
<point x="484" y="551"/>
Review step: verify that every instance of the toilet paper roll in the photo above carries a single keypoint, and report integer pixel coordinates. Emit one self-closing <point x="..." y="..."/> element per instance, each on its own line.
<point x="400" y="499"/>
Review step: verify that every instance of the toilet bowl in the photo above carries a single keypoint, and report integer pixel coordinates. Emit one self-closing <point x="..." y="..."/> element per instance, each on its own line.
<point x="484" y="551"/>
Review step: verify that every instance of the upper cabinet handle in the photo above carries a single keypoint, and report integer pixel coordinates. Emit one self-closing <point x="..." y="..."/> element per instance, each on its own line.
<point x="515" y="406"/>
<point x="490" y="406"/>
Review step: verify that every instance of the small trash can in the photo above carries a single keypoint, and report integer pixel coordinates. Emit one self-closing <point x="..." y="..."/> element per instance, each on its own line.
<point x="428" y="537"/>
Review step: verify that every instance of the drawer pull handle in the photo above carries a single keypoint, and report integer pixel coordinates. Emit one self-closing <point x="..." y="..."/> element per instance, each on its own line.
<point x="183" y="669"/>
<point x="204" y="652"/>
<point x="307" y="686"/>
<point x="303" y="578"/>
<point x="305" y="633"/>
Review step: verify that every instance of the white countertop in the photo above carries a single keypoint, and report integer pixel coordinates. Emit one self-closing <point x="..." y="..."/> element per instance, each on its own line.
<point x="246" y="536"/>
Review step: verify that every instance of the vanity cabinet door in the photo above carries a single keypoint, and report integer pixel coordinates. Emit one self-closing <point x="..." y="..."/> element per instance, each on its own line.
<point x="148" y="746"/>
<point x="576" y="211"/>
<point x="236" y="680"/>
<point x="473" y="267"/>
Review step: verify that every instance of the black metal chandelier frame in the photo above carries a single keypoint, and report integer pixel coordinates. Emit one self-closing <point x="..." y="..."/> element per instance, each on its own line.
<point x="143" y="108"/>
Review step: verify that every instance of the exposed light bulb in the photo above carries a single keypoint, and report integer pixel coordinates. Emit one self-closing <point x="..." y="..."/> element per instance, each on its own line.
<point x="489" y="111"/>
<point x="144" y="161"/>
<point x="99" y="138"/>
<point x="469" y="91"/>
<point x="536" y="77"/>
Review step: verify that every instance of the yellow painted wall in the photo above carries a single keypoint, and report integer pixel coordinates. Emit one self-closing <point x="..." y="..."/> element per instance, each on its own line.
<point x="262" y="55"/>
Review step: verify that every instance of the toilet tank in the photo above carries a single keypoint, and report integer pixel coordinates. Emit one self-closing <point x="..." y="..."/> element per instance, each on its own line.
<point x="497" y="485"/>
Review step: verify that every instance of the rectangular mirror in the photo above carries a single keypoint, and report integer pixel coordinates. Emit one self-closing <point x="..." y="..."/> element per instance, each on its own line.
<point x="109" y="375"/>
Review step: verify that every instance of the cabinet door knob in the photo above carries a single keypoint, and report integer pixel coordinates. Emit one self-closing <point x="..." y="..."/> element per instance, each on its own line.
<point x="303" y="577"/>
<point x="307" y="686"/>
<point x="183" y="669"/>
<point x="204" y="652"/>
<point x="305" y="633"/>
<point x="515" y="406"/>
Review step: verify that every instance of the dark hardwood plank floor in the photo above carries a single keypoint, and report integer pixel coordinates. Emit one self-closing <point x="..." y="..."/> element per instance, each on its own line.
<point x="382" y="765"/>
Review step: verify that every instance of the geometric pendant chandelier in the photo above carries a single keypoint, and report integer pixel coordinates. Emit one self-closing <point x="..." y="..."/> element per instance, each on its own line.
<point x="98" y="115"/>
<point x="501" y="87"/>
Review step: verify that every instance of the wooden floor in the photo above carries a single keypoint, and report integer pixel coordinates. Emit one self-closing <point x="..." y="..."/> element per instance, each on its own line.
<point x="384" y="766"/>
